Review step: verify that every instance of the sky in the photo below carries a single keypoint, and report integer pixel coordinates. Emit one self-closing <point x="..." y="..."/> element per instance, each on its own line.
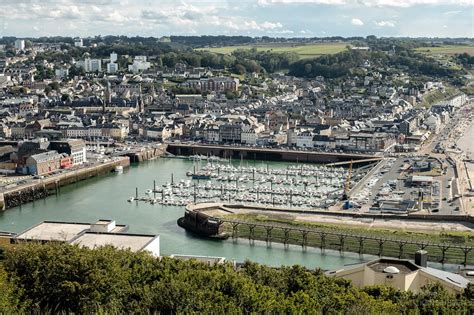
<point x="274" y="18"/>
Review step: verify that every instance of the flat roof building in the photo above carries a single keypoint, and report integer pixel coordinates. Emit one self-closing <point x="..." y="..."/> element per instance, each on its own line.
<point x="133" y="242"/>
<point x="100" y="233"/>
<point x="419" y="180"/>
<point x="47" y="231"/>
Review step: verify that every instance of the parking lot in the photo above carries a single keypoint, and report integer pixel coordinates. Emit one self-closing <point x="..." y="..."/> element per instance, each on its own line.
<point x="391" y="182"/>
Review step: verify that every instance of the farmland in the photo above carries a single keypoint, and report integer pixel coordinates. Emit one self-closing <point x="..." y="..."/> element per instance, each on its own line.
<point x="447" y="49"/>
<point x="303" y="50"/>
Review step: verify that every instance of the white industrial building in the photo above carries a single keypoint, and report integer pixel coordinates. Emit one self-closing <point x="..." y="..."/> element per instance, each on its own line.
<point x="100" y="233"/>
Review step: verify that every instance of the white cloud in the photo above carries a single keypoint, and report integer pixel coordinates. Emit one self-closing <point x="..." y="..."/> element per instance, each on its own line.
<point x="270" y="25"/>
<point x="357" y="22"/>
<point x="191" y="17"/>
<point x="371" y="3"/>
<point x="385" y="23"/>
<point x="451" y="13"/>
<point x="328" y="2"/>
<point x="181" y="17"/>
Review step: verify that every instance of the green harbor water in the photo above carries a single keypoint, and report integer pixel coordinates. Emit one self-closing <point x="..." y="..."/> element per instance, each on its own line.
<point x="106" y="197"/>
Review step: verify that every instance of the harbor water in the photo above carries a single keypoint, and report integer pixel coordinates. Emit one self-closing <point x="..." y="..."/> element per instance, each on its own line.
<point x="106" y="197"/>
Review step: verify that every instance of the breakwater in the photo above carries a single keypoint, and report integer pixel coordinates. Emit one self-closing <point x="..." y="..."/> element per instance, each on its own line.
<point x="39" y="189"/>
<point x="325" y="238"/>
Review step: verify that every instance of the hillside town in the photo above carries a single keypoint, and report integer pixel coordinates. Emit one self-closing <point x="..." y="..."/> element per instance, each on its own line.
<point x="57" y="116"/>
<point x="268" y="156"/>
<point x="362" y="113"/>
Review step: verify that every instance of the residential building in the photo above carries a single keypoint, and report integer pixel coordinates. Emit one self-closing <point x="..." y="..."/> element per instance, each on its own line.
<point x="305" y="139"/>
<point x="158" y="133"/>
<point x="139" y="64"/>
<point x="115" y="131"/>
<point x="230" y="133"/>
<point x="91" y="65"/>
<point x="78" y="42"/>
<point x="113" y="57"/>
<point x="74" y="148"/>
<point x="20" y="44"/>
<point x="112" y="67"/>
<point x="28" y="109"/>
<point x="218" y="84"/>
<point x="90" y="132"/>
<point x="43" y="163"/>
<point x="61" y="73"/>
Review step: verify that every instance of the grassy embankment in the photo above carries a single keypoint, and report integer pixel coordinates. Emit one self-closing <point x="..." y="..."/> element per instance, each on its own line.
<point x="303" y="51"/>
<point x="352" y="244"/>
<point x="435" y="96"/>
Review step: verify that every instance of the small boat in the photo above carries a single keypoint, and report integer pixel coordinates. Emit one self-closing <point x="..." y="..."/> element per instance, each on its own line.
<point x="201" y="176"/>
<point x="118" y="169"/>
<point x="131" y="199"/>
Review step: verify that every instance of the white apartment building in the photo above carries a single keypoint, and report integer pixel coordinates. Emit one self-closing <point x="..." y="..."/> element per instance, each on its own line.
<point x="113" y="57"/>
<point x="139" y="64"/>
<point x="305" y="140"/>
<point x="78" y="42"/>
<point x="248" y="137"/>
<point x="83" y="132"/>
<point x="20" y="44"/>
<point x="90" y="65"/>
<point x="61" y="73"/>
<point x="112" y="67"/>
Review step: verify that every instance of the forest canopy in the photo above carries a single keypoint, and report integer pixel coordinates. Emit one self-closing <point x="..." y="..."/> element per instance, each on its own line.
<point x="55" y="278"/>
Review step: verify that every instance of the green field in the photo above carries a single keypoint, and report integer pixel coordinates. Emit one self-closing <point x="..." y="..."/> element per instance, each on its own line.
<point x="447" y="49"/>
<point x="303" y="51"/>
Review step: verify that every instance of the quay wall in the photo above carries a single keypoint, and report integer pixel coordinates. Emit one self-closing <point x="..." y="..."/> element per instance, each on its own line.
<point x="147" y="154"/>
<point x="250" y="153"/>
<point x="51" y="185"/>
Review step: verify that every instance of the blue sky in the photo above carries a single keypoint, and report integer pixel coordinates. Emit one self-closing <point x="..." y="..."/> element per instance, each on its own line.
<point x="283" y="18"/>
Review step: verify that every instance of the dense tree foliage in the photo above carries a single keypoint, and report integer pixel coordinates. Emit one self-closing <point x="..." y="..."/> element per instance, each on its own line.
<point x="63" y="278"/>
<point x="346" y="62"/>
<point x="385" y="54"/>
<point x="220" y="40"/>
<point x="465" y="59"/>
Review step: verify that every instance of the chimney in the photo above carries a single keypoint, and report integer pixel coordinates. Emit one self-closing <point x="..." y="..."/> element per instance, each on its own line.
<point x="421" y="258"/>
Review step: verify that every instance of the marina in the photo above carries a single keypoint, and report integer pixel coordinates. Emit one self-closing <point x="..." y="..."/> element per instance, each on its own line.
<point x="105" y="197"/>
<point x="305" y="186"/>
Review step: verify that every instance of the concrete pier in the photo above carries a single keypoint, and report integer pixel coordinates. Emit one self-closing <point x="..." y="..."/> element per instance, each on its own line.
<point x="38" y="189"/>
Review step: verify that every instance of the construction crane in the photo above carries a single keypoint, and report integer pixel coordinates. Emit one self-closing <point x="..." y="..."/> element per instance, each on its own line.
<point x="347" y="184"/>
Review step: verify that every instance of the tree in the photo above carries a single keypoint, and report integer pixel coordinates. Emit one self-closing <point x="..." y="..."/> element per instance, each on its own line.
<point x="61" y="278"/>
<point x="47" y="89"/>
